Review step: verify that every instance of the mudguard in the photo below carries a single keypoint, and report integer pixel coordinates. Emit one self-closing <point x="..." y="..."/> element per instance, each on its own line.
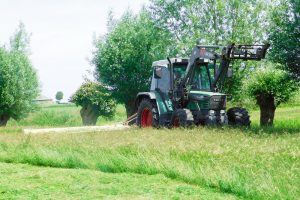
<point x="164" y="105"/>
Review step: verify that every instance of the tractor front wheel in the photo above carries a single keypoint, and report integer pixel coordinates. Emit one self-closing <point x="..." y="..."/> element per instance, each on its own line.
<point x="182" y="118"/>
<point x="238" y="117"/>
<point x="147" y="115"/>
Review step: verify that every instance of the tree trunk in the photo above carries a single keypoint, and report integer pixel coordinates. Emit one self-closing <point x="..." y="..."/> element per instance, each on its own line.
<point x="267" y="106"/>
<point x="89" y="115"/>
<point x="4" y="119"/>
<point x="130" y="108"/>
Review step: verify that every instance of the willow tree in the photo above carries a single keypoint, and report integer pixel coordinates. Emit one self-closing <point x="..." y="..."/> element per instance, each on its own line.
<point x="18" y="80"/>
<point x="285" y="36"/>
<point x="95" y="100"/>
<point x="124" y="56"/>
<point x="270" y="87"/>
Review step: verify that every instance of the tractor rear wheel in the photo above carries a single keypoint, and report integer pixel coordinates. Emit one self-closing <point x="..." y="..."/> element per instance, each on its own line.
<point x="238" y="116"/>
<point x="147" y="115"/>
<point x="182" y="118"/>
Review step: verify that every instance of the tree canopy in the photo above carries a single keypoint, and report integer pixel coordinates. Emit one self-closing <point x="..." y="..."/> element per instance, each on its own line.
<point x="285" y="36"/>
<point x="123" y="58"/>
<point x="18" y="80"/>
<point x="214" y="22"/>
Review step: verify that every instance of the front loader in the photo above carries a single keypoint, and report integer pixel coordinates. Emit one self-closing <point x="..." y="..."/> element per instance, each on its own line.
<point x="186" y="92"/>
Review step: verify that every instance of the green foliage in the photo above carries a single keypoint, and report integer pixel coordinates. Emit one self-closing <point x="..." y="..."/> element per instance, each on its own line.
<point x="20" y="40"/>
<point x="18" y="80"/>
<point x="272" y="82"/>
<point x="123" y="58"/>
<point x="214" y="22"/>
<point x="91" y="93"/>
<point x="210" y="21"/>
<point x="59" y="95"/>
<point x="284" y="36"/>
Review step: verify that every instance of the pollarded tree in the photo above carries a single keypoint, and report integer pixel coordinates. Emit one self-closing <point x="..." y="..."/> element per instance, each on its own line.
<point x="123" y="58"/>
<point x="59" y="96"/>
<point x="270" y="87"/>
<point x="95" y="101"/>
<point x="18" y="80"/>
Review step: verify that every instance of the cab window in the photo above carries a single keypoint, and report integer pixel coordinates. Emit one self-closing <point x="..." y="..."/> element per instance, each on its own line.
<point x="201" y="80"/>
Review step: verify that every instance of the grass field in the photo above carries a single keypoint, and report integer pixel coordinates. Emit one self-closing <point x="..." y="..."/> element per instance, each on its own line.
<point x="61" y="115"/>
<point x="198" y="163"/>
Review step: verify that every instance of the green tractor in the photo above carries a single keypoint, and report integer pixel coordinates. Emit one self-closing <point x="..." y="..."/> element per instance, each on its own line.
<point x="186" y="92"/>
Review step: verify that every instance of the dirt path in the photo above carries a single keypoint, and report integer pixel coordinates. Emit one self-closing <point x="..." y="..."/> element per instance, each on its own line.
<point x="80" y="129"/>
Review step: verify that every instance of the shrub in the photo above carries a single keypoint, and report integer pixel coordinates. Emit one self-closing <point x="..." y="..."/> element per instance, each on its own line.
<point x="95" y="100"/>
<point x="59" y="96"/>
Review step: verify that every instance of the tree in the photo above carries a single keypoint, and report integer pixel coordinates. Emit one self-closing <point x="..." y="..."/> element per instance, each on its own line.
<point x="123" y="58"/>
<point x="59" y="96"/>
<point x="285" y="36"/>
<point x="95" y="101"/>
<point x="18" y="80"/>
<point x="214" y="22"/>
<point x="270" y="87"/>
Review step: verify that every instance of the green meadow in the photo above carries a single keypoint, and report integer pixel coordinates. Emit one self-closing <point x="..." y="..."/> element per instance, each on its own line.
<point x="197" y="163"/>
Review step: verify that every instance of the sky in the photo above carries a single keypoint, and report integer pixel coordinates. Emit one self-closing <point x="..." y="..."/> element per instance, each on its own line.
<point x="62" y="33"/>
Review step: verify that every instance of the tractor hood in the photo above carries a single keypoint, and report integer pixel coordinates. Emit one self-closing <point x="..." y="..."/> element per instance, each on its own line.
<point x="208" y="100"/>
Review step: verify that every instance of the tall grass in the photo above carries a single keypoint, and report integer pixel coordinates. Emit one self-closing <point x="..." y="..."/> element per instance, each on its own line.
<point x="247" y="165"/>
<point x="63" y="115"/>
<point x="253" y="163"/>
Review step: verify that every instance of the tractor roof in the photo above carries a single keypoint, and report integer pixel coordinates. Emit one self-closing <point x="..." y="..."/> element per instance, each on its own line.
<point x="165" y="63"/>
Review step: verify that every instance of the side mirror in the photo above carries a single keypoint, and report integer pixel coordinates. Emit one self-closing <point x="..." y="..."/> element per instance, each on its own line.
<point x="229" y="72"/>
<point x="158" y="72"/>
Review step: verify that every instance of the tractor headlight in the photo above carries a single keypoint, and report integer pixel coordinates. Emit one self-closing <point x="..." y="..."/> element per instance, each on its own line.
<point x="211" y="112"/>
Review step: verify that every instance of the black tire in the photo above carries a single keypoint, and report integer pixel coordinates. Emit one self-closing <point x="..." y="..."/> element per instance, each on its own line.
<point x="147" y="106"/>
<point x="182" y="118"/>
<point x="238" y="117"/>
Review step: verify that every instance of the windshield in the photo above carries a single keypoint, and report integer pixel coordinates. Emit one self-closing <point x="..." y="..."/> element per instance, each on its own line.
<point x="179" y="71"/>
<point x="201" y="79"/>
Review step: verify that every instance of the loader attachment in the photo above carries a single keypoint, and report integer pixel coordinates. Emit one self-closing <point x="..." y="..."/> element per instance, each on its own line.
<point x="235" y="52"/>
<point x="245" y="52"/>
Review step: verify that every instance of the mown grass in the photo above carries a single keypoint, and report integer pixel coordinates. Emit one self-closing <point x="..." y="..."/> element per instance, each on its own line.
<point x="60" y="115"/>
<point x="48" y="183"/>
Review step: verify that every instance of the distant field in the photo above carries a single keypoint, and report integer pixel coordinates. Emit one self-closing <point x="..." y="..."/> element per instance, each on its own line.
<point x="60" y="115"/>
<point x="198" y="163"/>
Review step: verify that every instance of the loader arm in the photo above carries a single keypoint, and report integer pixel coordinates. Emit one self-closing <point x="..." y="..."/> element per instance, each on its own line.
<point x="229" y="53"/>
